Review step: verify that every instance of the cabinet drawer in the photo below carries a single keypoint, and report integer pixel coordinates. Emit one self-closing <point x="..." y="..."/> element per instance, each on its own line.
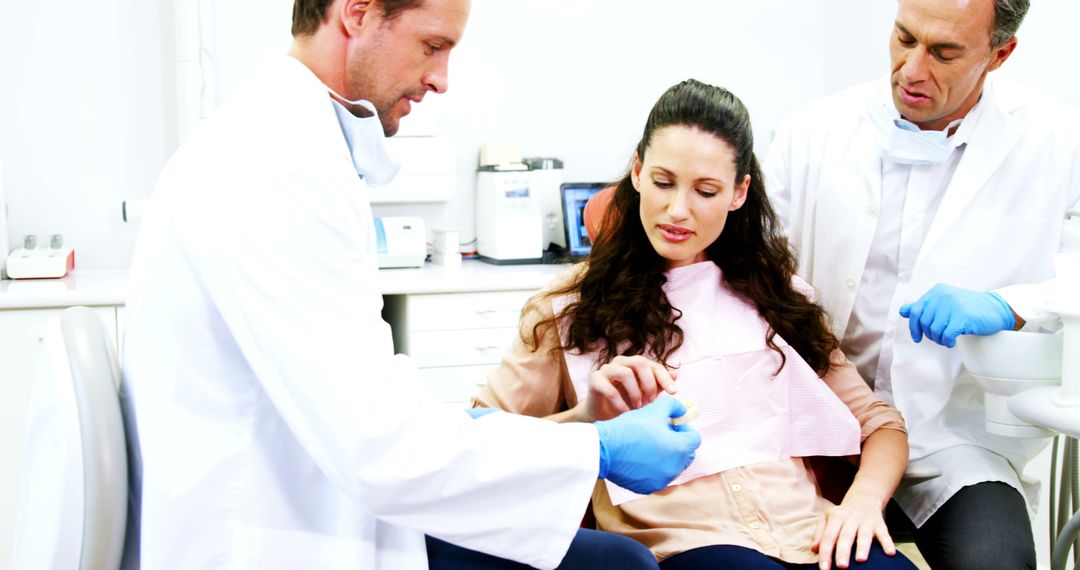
<point x="460" y="347"/>
<point x="455" y="384"/>
<point x="466" y="310"/>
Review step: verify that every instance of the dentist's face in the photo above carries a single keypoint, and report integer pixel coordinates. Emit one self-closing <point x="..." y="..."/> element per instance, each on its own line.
<point x="687" y="182"/>
<point x="394" y="63"/>
<point x="941" y="54"/>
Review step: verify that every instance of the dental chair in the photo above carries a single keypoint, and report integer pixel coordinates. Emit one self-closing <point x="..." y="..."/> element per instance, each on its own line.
<point x="73" y="502"/>
<point x="595" y="210"/>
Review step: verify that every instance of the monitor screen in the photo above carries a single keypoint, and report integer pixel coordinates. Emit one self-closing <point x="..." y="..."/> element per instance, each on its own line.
<point x="574" y="197"/>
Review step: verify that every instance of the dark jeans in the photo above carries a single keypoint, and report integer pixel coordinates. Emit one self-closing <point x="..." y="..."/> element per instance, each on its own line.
<point x="982" y="526"/>
<point x="727" y="556"/>
<point x="590" y="550"/>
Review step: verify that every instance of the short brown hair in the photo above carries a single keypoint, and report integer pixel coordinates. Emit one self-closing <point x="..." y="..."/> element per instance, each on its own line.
<point x="308" y="15"/>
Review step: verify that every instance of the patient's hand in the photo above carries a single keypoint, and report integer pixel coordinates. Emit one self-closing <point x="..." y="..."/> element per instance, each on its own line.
<point x="626" y="383"/>
<point x="855" y="523"/>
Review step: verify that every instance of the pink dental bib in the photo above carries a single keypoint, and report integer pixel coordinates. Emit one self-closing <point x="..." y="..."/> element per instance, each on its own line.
<point x="749" y="413"/>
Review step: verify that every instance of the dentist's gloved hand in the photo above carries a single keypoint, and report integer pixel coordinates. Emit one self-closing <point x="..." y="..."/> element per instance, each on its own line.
<point x="946" y="312"/>
<point x="641" y="451"/>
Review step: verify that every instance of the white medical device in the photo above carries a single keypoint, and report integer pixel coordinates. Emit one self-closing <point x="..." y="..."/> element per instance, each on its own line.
<point x="1007" y="363"/>
<point x="401" y="241"/>
<point x="509" y="223"/>
<point x="546" y="175"/>
<point x="32" y="261"/>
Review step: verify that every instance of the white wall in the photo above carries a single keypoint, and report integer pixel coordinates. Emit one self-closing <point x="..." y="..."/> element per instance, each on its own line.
<point x="84" y="119"/>
<point x="1047" y="55"/>
<point x="857" y="34"/>
<point x="90" y="116"/>
<point x="576" y="80"/>
<point x="856" y="41"/>
<point x="88" y="102"/>
<point x="244" y="33"/>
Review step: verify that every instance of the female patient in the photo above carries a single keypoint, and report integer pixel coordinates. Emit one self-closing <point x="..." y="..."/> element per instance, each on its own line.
<point x="689" y="279"/>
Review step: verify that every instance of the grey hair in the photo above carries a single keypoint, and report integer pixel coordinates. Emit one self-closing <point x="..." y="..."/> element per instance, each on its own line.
<point x="1008" y="14"/>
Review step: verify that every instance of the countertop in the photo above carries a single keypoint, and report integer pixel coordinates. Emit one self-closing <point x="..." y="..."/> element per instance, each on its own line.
<point x="472" y="276"/>
<point x="78" y="288"/>
<point x="101" y="288"/>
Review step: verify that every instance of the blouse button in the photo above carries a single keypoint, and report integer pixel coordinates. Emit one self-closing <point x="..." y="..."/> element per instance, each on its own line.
<point x="736" y="487"/>
<point x="755" y="525"/>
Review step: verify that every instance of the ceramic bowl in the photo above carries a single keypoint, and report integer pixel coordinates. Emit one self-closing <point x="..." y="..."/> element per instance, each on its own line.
<point x="1012" y="355"/>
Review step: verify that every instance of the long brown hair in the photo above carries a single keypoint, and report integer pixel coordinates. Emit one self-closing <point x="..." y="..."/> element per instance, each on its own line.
<point x="622" y="308"/>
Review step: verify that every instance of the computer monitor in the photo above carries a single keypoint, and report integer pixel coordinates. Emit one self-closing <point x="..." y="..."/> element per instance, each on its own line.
<point x="574" y="196"/>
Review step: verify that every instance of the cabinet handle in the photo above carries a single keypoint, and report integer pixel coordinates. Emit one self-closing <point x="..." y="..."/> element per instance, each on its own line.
<point x="486" y="311"/>
<point x="488" y="347"/>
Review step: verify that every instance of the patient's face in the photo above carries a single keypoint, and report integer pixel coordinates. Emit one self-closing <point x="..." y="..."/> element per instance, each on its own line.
<point x="687" y="181"/>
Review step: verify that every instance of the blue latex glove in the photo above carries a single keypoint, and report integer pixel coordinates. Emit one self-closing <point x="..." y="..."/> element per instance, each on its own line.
<point x="479" y="412"/>
<point x="946" y="312"/>
<point x="641" y="451"/>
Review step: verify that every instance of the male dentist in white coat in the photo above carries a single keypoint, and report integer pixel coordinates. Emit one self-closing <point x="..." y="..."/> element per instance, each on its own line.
<point x="929" y="204"/>
<point x="273" y="425"/>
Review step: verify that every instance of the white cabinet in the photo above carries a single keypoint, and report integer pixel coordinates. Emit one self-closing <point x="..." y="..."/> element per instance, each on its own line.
<point x="455" y="338"/>
<point x="21" y="334"/>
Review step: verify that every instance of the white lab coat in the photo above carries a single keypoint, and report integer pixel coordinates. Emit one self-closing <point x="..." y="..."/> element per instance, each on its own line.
<point x="277" y="429"/>
<point x="1002" y="217"/>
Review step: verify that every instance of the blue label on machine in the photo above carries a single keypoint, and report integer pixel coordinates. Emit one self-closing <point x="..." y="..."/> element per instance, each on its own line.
<point x="380" y="236"/>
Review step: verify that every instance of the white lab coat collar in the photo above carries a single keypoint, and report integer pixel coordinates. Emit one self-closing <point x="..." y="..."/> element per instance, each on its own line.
<point x="989" y="115"/>
<point x="295" y="76"/>
<point x="974" y="170"/>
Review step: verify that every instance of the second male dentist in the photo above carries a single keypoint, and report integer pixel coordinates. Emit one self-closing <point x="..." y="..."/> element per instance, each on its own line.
<point x="925" y="207"/>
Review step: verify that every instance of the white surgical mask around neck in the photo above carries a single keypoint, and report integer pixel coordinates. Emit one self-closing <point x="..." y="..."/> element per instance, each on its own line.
<point x="903" y="142"/>
<point x="367" y="142"/>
